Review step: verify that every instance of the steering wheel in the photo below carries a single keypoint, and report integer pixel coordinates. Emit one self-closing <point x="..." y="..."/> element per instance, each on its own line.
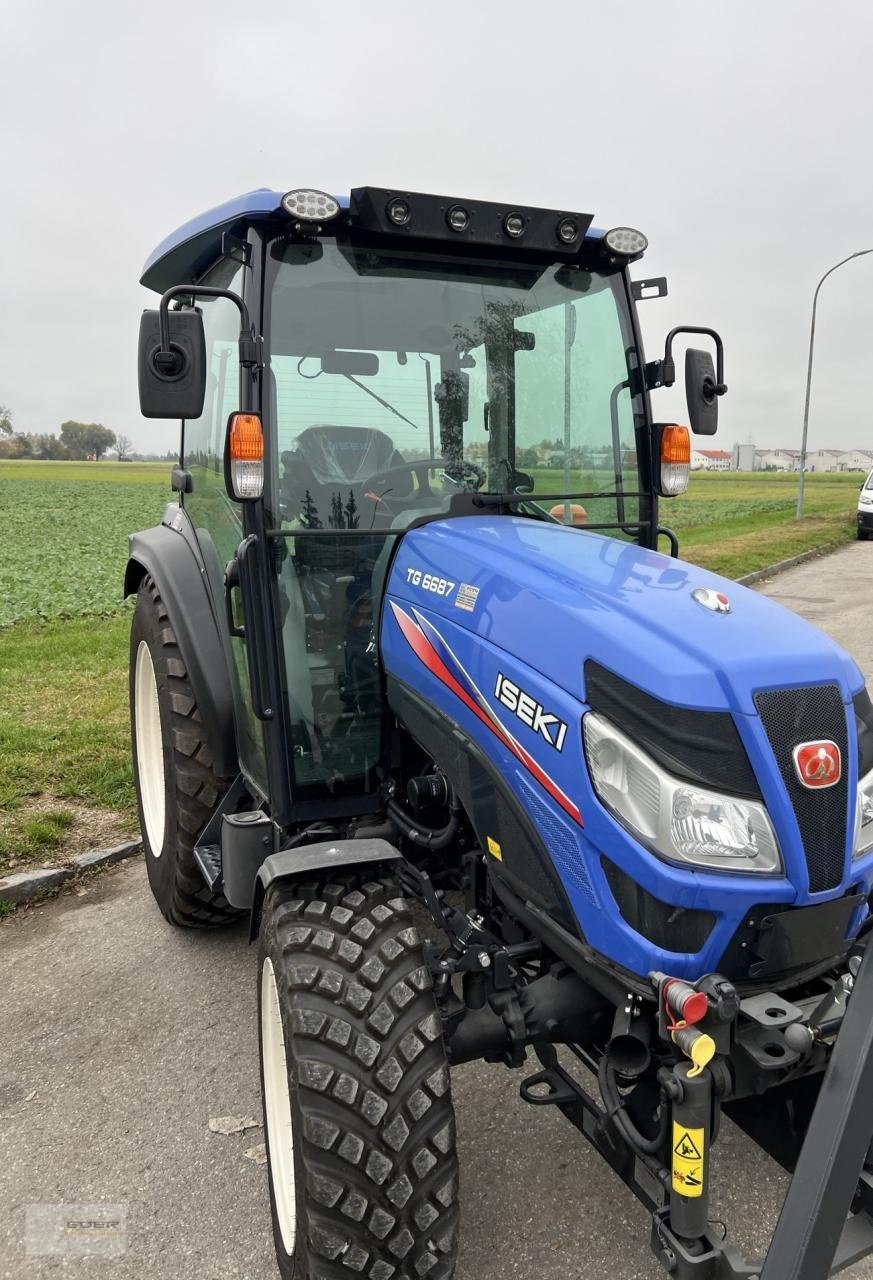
<point x="420" y="467"/>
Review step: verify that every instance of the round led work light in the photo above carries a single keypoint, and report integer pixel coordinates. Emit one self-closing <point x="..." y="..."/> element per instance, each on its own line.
<point x="310" y="206"/>
<point x="513" y="225"/>
<point x="398" y="212"/>
<point x="625" y="241"/>
<point x="457" y="218"/>
<point x="567" y="230"/>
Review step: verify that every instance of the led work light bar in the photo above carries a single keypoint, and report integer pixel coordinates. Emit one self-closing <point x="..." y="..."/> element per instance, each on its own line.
<point x="474" y="222"/>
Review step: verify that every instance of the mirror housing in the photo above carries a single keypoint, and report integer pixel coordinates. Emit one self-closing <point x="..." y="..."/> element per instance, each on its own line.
<point x="172" y="384"/>
<point x="703" y="383"/>
<point x="700" y="392"/>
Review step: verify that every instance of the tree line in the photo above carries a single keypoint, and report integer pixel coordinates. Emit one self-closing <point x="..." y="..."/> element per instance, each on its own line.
<point x="77" y="442"/>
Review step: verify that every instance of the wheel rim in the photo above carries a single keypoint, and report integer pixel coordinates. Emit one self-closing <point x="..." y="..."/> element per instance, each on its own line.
<point x="277" y="1105"/>
<point x="149" y="750"/>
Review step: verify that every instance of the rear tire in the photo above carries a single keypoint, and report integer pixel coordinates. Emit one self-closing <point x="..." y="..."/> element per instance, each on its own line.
<point x="176" y="788"/>
<point x="863" y="535"/>
<point x="358" y="1114"/>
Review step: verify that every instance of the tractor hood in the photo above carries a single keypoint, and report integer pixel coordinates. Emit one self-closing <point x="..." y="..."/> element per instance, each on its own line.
<point x="554" y="596"/>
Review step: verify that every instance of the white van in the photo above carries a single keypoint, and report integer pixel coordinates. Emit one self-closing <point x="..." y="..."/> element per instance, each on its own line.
<point x="865" y="509"/>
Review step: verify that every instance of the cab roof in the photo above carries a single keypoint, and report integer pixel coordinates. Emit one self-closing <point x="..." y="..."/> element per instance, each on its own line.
<point x="192" y="247"/>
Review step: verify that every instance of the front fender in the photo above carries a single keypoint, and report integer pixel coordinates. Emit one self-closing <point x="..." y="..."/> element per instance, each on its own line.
<point x="168" y="556"/>
<point x="329" y="855"/>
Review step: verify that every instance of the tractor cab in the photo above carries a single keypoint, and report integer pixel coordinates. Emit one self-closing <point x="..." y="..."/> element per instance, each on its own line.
<point x="421" y="358"/>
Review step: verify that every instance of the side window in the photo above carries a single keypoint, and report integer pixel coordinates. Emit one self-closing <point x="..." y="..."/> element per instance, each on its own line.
<point x="575" y="429"/>
<point x="216" y="519"/>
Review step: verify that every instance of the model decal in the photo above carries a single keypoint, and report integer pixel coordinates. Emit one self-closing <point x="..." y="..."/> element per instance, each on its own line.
<point x="431" y="649"/>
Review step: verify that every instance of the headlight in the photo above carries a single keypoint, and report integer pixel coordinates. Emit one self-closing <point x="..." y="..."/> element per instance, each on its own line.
<point x="864" y="817"/>
<point x="678" y="820"/>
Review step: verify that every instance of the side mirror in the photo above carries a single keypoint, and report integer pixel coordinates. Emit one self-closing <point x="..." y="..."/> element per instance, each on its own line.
<point x="172" y="383"/>
<point x="700" y="392"/>
<point x="703" y="383"/>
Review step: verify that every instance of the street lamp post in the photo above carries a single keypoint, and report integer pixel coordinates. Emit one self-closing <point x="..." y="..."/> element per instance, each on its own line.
<point x="860" y="254"/>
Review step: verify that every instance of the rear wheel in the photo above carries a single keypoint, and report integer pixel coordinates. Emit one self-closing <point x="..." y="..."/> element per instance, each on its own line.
<point x="863" y="534"/>
<point x="176" y="788"/>
<point x="357" y="1106"/>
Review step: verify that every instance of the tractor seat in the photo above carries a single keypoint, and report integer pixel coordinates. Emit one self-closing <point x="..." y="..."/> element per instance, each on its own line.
<point x="327" y="461"/>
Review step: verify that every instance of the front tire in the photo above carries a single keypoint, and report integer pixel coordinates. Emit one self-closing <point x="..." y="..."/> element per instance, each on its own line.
<point x="358" y="1113"/>
<point x="176" y="787"/>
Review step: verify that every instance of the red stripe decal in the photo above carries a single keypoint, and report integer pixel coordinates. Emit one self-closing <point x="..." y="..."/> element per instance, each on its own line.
<point x="426" y="653"/>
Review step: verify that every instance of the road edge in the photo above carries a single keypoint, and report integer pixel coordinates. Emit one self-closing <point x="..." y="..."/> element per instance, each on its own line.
<point x="25" y="886"/>
<point x="758" y="575"/>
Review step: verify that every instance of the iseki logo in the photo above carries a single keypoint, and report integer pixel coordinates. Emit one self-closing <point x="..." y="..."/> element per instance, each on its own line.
<point x="531" y="712"/>
<point x="818" y="764"/>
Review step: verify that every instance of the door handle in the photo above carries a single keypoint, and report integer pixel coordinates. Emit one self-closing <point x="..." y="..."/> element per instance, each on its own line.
<point x="231" y="584"/>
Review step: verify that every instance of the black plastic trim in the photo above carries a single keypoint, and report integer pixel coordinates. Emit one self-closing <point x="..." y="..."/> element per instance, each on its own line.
<point x="327" y="855"/>
<point x="864" y="721"/>
<point x="703" y="747"/>
<point x="180" y="576"/>
<point x="672" y="928"/>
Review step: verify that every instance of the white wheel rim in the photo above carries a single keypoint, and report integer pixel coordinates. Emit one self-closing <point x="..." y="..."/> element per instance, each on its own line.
<point x="149" y="750"/>
<point x="277" y="1104"/>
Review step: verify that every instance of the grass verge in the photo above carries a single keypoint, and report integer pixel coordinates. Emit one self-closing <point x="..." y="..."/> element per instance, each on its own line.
<point x="65" y="771"/>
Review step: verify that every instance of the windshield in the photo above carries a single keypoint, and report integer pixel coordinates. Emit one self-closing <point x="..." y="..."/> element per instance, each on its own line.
<point x="400" y="380"/>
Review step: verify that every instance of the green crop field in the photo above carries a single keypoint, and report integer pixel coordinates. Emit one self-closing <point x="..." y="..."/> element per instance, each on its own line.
<point x="65" y="777"/>
<point x="63" y="533"/>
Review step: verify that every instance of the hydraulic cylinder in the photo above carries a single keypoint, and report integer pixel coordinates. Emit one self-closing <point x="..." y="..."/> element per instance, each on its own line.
<point x="691" y="1118"/>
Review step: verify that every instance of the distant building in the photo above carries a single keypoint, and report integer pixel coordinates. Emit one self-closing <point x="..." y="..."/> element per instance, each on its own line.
<point x="743" y="457"/>
<point x="715" y="459"/>
<point x="777" y="459"/>
<point x="856" y="460"/>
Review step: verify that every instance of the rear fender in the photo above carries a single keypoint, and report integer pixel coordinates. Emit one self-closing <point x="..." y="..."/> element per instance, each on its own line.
<point x="174" y="562"/>
<point x="330" y="855"/>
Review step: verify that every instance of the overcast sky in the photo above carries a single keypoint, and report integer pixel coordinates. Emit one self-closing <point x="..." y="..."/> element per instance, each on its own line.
<point x="738" y="136"/>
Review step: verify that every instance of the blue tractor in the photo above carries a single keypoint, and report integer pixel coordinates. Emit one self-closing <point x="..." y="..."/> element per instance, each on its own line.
<point x="413" y="687"/>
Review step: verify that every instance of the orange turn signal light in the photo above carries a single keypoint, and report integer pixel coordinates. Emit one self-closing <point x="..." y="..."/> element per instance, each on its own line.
<point x="676" y="445"/>
<point x="246" y="439"/>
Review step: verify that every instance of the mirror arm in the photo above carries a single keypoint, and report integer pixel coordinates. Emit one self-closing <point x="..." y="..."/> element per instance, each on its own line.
<point x="668" y="368"/>
<point x="250" y="345"/>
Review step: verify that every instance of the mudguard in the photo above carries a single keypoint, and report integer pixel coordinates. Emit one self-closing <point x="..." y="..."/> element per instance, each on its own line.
<point x="174" y="562"/>
<point x="328" y="855"/>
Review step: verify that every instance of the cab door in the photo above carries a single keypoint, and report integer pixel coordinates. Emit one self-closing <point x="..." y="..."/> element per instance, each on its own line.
<point x="218" y="520"/>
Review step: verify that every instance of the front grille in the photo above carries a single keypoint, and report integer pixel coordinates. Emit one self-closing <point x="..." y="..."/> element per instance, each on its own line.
<point x="668" y="927"/>
<point x="792" y="716"/>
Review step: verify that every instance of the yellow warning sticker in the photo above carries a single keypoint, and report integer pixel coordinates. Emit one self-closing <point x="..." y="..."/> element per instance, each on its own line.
<point x="494" y="849"/>
<point x="688" y="1152"/>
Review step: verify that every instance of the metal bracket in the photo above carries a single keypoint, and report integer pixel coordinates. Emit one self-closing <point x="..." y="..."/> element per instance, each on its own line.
<point x="642" y="290"/>
<point x="207" y="851"/>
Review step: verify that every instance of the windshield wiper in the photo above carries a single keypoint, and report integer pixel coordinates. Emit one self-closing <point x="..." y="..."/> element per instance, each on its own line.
<point x="384" y="403"/>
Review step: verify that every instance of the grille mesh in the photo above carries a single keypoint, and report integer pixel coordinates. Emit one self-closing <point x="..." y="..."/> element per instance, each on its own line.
<point x="792" y="716"/>
<point x="563" y="848"/>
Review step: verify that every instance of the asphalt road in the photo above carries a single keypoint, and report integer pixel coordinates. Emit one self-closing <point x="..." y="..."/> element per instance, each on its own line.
<point x="120" y="1037"/>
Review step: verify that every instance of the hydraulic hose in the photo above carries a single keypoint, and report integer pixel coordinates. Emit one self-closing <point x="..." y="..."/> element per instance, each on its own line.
<point x="425" y="837"/>
<point x="623" y="1122"/>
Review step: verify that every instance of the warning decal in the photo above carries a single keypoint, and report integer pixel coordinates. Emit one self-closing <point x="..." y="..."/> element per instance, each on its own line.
<point x="687" y="1160"/>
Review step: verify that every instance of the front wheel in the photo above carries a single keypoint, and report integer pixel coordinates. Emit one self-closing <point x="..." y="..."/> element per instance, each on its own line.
<point x="357" y="1106"/>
